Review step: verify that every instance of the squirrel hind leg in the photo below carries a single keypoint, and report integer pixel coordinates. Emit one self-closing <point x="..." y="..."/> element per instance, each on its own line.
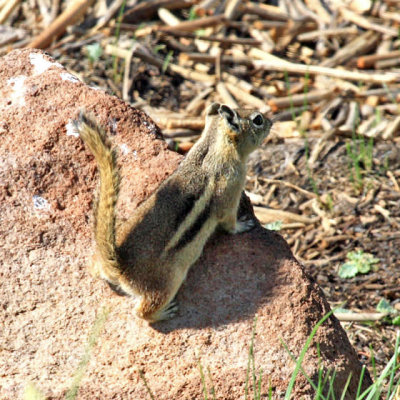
<point x="153" y="311"/>
<point x="98" y="269"/>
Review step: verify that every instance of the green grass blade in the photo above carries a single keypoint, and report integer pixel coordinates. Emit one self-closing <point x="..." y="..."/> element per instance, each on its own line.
<point x="360" y="381"/>
<point x="167" y="61"/>
<point x="117" y="34"/>
<point x="92" y="340"/>
<point x="251" y="359"/>
<point x="395" y="356"/>
<point x="258" y="397"/>
<point x="373" y="362"/>
<point x="143" y="378"/>
<point x="395" y="395"/>
<point x="303" y="353"/>
<point x="309" y="380"/>
<point x="344" y="391"/>
<point x="374" y="390"/>
<point x="203" y="381"/>
<point x="331" y="392"/>
<point x="212" y="384"/>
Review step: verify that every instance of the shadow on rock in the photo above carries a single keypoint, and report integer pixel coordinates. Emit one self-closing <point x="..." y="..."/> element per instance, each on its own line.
<point x="236" y="275"/>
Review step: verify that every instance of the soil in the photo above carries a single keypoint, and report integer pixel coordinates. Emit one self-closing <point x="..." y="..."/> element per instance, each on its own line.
<point x="355" y="222"/>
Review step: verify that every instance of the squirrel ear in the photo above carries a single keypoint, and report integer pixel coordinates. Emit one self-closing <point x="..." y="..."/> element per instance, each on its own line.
<point x="213" y="109"/>
<point x="230" y="116"/>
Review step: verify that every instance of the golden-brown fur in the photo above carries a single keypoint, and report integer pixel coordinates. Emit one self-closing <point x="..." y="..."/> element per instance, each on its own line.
<point x="149" y="255"/>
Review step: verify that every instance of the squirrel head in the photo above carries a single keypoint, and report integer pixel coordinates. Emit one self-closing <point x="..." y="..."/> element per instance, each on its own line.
<point x="246" y="129"/>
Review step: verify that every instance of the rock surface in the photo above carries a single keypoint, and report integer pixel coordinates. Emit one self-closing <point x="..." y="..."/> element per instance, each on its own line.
<point x="49" y="302"/>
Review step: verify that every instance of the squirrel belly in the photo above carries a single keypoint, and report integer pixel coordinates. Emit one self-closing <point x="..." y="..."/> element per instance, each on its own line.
<point x="150" y="254"/>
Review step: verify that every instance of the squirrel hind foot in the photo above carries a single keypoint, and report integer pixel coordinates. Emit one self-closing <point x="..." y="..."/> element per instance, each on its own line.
<point x="148" y="310"/>
<point x="117" y="289"/>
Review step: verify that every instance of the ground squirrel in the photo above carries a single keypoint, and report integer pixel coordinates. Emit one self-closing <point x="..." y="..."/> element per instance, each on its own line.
<point x="149" y="255"/>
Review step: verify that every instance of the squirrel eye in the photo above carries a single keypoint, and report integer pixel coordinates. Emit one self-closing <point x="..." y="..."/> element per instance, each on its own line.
<point x="258" y="120"/>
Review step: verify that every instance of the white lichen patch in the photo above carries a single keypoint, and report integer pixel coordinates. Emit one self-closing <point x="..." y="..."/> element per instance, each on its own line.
<point x="124" y="149"/>
<point x="39" y="203"/>
<point x="71" y="129"/>
<point x="17" y="96"/>
<point x="40" y="64"/>
<point x="66" y="76"/>
<point x="151" y="126"/>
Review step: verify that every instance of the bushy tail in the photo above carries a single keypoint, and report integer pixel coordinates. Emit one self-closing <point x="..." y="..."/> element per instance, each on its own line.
<point x="95" y="139"/>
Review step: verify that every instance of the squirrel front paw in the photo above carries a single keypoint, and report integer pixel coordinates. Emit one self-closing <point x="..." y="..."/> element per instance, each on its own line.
<point x="244" y="224"/>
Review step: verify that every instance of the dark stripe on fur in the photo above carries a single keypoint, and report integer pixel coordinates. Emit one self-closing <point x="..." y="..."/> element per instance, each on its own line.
<point x="191" y="233"/>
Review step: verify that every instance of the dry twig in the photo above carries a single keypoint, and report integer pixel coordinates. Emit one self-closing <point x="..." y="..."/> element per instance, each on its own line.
<point x="72" y="14"/>
<point x="332" y="72"/>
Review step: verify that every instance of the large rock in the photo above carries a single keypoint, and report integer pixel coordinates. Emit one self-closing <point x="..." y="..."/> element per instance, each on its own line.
<point x="49" y="301"/>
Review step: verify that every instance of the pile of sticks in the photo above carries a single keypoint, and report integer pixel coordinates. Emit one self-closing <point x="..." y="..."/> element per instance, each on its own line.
<point x="316" y="66"/>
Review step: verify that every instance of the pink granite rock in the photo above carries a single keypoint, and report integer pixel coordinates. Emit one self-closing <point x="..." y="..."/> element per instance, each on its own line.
<point x="48" y="300"/>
